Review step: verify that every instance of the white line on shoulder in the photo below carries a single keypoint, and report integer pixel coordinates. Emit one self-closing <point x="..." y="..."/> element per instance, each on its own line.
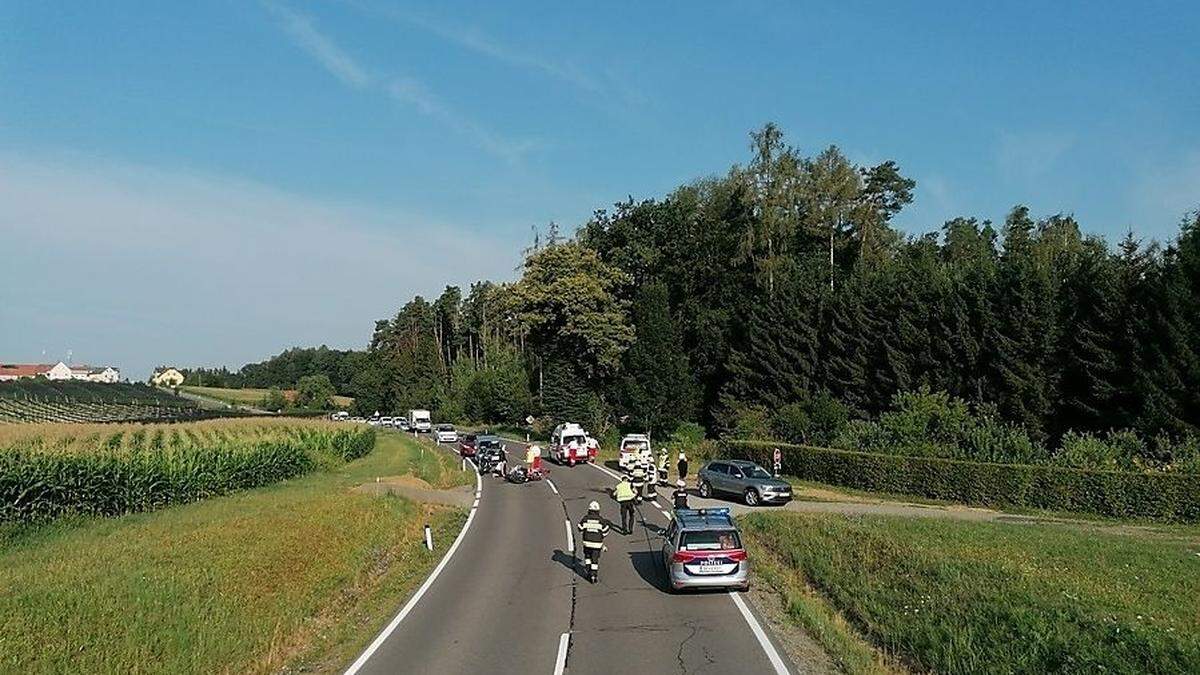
<point x="606" y="470"/>
<point x="412" y="602"/>
<point x="570" y="537"/>
<point x="551" y="484"/>
<point x="760" y="634"/>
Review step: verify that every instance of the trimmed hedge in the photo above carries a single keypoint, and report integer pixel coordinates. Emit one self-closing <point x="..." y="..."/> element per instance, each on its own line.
<point x="1166" y="497"/>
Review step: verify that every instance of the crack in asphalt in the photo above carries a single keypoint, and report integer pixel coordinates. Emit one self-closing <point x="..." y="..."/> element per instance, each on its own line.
<point x="679" y="653"/>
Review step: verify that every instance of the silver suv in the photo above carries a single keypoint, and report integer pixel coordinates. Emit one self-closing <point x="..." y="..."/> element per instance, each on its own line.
<point x="746" y="479"/>
<point x="703" y="549"/>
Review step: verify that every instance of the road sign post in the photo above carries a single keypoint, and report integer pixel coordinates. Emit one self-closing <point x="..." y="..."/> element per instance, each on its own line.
<point x="778" y="457"/>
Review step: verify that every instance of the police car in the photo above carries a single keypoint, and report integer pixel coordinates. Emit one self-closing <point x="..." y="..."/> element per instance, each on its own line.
<point x="703" y="549"/>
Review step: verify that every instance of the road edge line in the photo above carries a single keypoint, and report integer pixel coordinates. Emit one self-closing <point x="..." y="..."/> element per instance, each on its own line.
<point x="560" y="660"/>
<point x="761" y="635"/>
<point x="570" y="537"/>
<point x="606" y="470"/>
<point x="412" y="602"/>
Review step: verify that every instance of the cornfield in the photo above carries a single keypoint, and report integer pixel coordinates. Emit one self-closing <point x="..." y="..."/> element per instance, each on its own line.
<point x="52" y="470"/>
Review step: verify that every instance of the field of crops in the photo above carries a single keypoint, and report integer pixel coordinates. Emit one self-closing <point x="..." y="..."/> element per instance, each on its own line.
<point x="40" y="400"/>
<point x="53" y="470"/>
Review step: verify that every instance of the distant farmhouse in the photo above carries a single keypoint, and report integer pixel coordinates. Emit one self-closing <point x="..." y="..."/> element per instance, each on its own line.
<point x="166" y="377"/>
<point x="59" y="371"/>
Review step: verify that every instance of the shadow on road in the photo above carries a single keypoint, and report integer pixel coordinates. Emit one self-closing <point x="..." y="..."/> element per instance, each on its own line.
<point x="568" y="561"/>
<point x="649" y="568"/>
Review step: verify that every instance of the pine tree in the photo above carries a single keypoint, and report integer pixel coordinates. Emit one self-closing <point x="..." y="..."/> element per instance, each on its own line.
<point x="656" y="389"/>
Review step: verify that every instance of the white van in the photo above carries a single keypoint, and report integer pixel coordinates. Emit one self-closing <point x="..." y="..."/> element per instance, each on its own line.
<point x="570" y="444"/>
<point x="635" y="448"/>
<point x="418" y="420"/>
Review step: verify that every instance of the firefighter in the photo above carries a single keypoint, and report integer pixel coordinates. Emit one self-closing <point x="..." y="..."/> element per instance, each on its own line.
<point x="680" y="496"/>
<point x="638" y="479"/>
<point x="625" y="497"/>
<point x="651" y="477"/>
<point x="663" y="457"/>
<point x="594" y="528"/>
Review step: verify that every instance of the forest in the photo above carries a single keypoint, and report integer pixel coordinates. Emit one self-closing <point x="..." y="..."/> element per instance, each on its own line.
<point x="779" y="301"/>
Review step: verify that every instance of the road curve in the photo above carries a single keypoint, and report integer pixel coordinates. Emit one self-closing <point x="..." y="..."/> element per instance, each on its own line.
<point x="512" y="590"/>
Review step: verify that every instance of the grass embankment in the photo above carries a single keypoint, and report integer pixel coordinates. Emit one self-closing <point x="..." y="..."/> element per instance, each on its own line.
<point x="254" y="397"/>
<point x="984" y="597"/>
<point x="300" y="573"/>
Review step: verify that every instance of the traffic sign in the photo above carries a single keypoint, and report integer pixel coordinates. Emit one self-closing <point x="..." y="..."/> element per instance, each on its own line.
<point x="778" y="461"/>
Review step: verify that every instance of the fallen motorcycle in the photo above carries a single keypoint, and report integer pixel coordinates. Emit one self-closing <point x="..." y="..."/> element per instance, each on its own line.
<point x="523" y="474"/>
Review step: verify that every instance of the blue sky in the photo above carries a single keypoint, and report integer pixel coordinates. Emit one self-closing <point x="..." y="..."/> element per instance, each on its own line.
<point x="208" y="183"/>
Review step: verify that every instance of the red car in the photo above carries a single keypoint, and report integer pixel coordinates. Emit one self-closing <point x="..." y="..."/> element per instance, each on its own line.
<point x="466" y="445"/>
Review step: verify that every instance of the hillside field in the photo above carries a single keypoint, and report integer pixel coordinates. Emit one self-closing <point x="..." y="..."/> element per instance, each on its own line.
<point x="253" y="397"/>
<point x="295" y="575"/>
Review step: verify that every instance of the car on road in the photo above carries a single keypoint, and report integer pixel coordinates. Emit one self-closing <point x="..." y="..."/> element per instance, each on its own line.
<point x="402" y="423"/>
<point x="446" y="433"/>
<point x="487" y="443"/>
<point x="418" y="420"/>
<point x="466" y="445"/>
<point x="634" y="448"/>
<point x="386" y="422"/>
<point x="702" y="548"/>
<point x="746" y="479"/>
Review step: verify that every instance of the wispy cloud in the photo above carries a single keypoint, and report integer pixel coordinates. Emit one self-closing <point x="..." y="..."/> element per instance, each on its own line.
<point x="160" y="266"/>
<point x="300" y="28"/>
<point x="412" y="92"/>
<point x="615" y="90"/>
<point x="1031" y="155"/>
<point x="405" y="90"/>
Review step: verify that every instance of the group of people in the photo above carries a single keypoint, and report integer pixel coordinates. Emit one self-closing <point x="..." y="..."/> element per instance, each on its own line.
<point x="630" y="491"/>
<point x="641" y="481"/>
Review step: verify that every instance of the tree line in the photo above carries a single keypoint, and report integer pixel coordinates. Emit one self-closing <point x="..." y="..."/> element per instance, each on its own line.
<point x="779" y="299"/>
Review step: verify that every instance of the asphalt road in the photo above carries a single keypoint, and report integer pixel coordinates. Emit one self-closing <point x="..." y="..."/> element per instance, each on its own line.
<point x="511" y="599"/>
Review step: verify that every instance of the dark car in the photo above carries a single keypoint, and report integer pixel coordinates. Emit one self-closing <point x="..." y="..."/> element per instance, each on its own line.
<point x="746" y="479"/>
<point x="466" y="445"/>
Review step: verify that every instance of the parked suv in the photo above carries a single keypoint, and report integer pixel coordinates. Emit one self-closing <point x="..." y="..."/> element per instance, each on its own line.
<point x="748" y="480"/>
<point x="703" y="549"/>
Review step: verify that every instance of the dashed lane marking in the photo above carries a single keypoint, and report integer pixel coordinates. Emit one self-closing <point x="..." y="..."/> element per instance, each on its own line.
<point x="560" y="661"/>
<point x="551" y="484"/>
<point x="570" y="537"/>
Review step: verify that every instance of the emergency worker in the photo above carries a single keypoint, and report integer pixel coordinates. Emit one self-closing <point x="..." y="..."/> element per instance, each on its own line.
<point x="594" y="528"/>
<point x="625" y="497"/>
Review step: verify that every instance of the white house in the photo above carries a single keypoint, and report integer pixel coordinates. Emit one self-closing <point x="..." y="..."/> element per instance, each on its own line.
<point x="166" y="377"/>
<point x="106" y="374"/>
<point x="61" y="371"/>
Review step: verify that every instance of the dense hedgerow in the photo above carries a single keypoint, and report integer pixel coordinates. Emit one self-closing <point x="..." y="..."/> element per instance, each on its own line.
<point x="1125" y="494"/>
<point x="48" y="471"/>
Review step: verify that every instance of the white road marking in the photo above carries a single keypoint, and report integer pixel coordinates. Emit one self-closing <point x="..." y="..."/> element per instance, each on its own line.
<point x="560" y="661"/>
<point x="606" y="470"/>
<point x="759" y="633"/>
<point x="476" y="504"/>
<point x="570" y="537"/>
<point x="656" y="504"/>
<point x="551" y="484"/>
<point x="412" y="602"/>
<point x="666" y="513"/>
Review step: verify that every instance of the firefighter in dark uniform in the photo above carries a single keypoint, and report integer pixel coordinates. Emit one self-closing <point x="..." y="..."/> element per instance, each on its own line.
<point x="680" y="495"/>
<point x="638" y="478"/>
<point x="594" y="528"/>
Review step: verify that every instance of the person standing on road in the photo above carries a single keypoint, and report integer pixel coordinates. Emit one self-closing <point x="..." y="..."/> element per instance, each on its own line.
<point x="682" y="464"/>
<point x="625" y="497"/>
<point x="663" y="457"/>
<point x="639" y="479"/>
<point x="680" y="495"/>
<point x="594" y="528"/>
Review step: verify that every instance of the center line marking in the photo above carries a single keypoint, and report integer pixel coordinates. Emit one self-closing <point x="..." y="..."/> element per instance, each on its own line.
<point x="560" y="661"/>
<point x="551" y="484"/>
<point x="570" y="537"/>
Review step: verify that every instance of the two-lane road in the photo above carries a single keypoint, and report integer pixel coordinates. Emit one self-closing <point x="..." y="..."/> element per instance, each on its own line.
<point x="511" y="599"/>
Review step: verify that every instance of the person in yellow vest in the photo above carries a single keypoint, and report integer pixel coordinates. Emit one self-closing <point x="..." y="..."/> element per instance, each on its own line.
<point x="663" y="458"/>
<point x="625" y="497"/>
<point x="594" y="528"/>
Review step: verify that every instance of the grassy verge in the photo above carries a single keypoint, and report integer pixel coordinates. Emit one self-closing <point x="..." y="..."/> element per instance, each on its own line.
<point x="969" y="597"/>
<point x="295" y="574"/>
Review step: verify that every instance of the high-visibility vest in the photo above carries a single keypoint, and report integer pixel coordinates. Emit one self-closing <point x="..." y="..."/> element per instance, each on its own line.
<point x="624" y="491"/>
<point x="593" y="530"/>
<point x="639" y="474"/>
